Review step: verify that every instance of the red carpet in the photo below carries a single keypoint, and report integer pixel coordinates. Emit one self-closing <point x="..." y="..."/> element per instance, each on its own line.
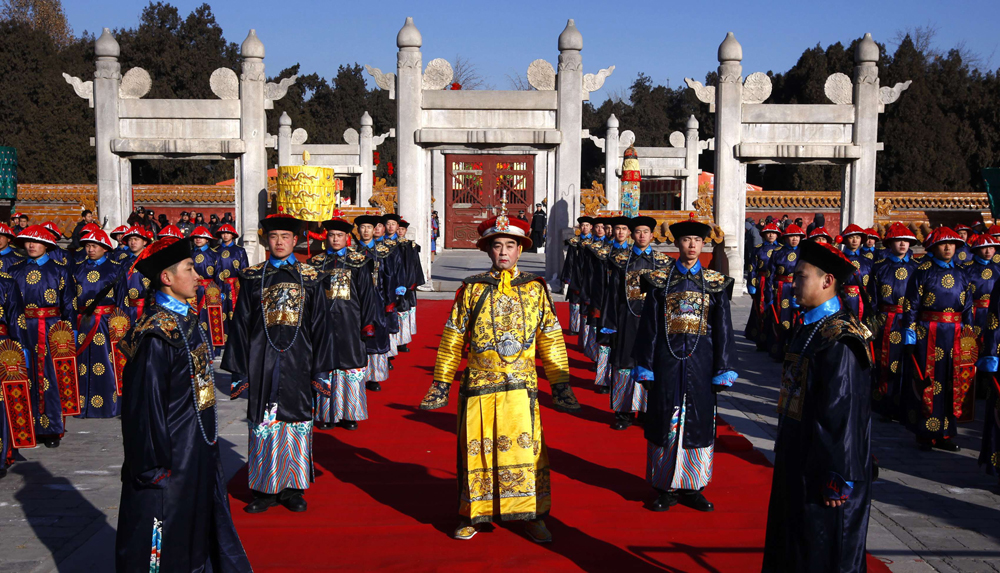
<point x="385" y="496"/>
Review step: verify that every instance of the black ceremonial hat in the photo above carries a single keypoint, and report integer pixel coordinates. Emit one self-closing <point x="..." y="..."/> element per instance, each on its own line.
<point x="338" y="224"/>
<point x="827" y="258"/>
<point x="642" y="221"/>
<point x="281" y="223"/>
<point x="161" y="255"/>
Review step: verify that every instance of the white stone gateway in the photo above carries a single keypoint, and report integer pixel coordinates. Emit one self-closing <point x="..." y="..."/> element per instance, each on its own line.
<point x="231" y="127"/>
<point x="679" y="161"/>
<point x="464" y="148"/>
<point x="747" y="130"/>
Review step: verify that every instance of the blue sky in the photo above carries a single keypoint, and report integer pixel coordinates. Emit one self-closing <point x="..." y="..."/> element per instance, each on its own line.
<point x="666" y="40"/>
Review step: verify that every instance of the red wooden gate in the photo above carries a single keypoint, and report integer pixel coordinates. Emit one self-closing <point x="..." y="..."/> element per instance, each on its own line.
<point x="474" y="185"/>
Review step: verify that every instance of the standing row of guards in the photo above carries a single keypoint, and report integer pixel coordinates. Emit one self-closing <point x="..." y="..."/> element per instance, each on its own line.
<point x="933" y="318"/>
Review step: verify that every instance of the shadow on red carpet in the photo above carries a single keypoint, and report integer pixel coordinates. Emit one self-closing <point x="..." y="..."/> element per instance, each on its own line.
<point x="385" y="496"/>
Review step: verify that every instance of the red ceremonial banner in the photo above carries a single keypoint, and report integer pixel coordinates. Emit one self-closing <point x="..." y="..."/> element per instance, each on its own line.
<point x="118" y="325"/>
<point x="16" y="399"/>
<point x="63" y="349"/>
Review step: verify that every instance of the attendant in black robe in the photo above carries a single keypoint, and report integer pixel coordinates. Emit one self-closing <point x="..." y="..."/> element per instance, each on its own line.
<point x="378" y="345"/>
<point x="537" y="229"/>
<point x="174" y="511"/>
<point x="352" y="305"/>
<point x="620" y="316"/>
<point x="684" y="355"/>
<point x="279" y="347"/>
<point x="569" y="274"/>
<point x="415" y="278"/>
<point x="817" y="517"/>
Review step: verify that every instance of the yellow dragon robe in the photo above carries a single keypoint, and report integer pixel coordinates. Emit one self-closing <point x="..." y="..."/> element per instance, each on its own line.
<point x="506" y="318"/>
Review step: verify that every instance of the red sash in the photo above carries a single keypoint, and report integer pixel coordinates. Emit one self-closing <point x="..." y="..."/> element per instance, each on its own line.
<point x="964" y="363"/>
<point x="41" y="347"/>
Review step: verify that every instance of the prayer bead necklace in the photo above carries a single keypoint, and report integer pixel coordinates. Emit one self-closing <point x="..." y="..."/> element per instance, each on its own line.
<point x="194" y="389"/>
<point x="298" y="314"/>
<point x="628" y="302"/>
<point x="701" y="319"/>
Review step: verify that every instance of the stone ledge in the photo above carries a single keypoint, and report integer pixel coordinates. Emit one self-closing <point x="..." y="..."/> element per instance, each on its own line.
<point x="489" y="136"/>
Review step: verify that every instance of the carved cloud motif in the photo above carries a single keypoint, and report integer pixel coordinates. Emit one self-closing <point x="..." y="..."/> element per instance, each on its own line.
<point x="351" y="136"/>
<point x="299" y="136"/>
<point x="839" y="89"/>
<point x="386" y="82"/>
<point x="626" y="139"/>
<point x="82" y="89"/>
<point x="593" y="82"/>
<point x="887" y="95"/>
<point x="275" y="91"/>
<point x="225" y="84"/>
<point x="677" y="139"/>
<point x="437" y="75"/>
<point x="541" y="75"/>
<point x="135" y="84"/>
<point x="756" y="88"/>
<point x="705" y="94"/>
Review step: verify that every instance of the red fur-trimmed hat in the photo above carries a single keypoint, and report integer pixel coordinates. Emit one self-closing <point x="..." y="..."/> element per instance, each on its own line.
<point x="119" y="230"/>
<point x="5" y="230"/>
<point x="771" y="228"/>
<point x="227" y="228"/>
<point x="201" y="232"/>
<point x="899" y="231"/>
<point x="170" y="231"/>
<point x="984" y="241"/>
<point x="136" y="231"/>
<point x="38" y="234"/>
<point x="872" y="233"/>
<point x="503" y="226"/>
<point x="942" y="235"/>
<point x="820" y="232"/>
<point x="792" y="230"/>
<point x="853" y="229"/>
<point x="98" y="237"/>
<point x="53" y="228"/>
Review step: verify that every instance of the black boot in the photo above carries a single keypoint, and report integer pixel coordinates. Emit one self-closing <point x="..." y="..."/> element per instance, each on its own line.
<point x="3" y="473"/>
<point x="947" y="445"/>
<point x="261" y="502"/>
<point x="622" y="421"/>
<point x="292" y="500"/>
<point x="349" y="424"/>
<point x="603" y="389"/>
<point x="665" y="501"/>
<point x="52" y="442"/>
<point x="402" y="348"/>
<point x="390" y="364"/>
<point x="373" y="386"/>
<point x="694" y="500"/>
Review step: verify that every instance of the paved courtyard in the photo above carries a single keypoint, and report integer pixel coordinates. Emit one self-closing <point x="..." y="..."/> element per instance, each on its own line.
<point x="932" y="511"/>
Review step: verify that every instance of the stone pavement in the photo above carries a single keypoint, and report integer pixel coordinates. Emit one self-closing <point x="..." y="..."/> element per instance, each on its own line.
<point x="932" y="511"/>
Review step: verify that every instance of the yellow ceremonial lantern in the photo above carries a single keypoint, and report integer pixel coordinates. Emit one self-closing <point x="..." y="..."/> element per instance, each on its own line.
<point x="307" y="192"/>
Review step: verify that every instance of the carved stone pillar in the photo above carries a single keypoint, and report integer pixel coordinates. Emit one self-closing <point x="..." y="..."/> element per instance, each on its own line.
<point x="414" y="201"/>
<point x="858" y="202"/>
<point x="107" y="80"/>
<point x="612" y="185"/>
<point x="730" y="186"/>
<point x="689" y="193"/>
<point x="251" y="191"/>
<point x="284" y="139"/>
<point x="566" y="207"/>
<point x="365" y="149"/>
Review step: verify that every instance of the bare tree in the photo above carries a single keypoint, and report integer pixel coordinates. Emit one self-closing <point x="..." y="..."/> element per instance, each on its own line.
<point x="518" y="82"/>
<point x="467" y="75"/>
<point x="922" y="38"/>
<point x="44" y="15"/>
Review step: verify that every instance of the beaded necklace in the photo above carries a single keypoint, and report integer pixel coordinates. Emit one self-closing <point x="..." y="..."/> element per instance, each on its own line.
<point x="798" y="359"/>
<point x="298" y="321"/>
<point x="194" y="389"/>
<point x="701" y="320"/>
<point x="628" y="302"/>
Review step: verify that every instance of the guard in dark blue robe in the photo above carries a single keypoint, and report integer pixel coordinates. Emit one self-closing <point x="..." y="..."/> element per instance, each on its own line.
<point x="11" y="307"/>
<point x="352" y="306"/>
<point x="279" y="347"/>
<point x="856" y="290"/>
<point x="782" y="314"/>
<point x="96" y="292"/>
<point x="817" y="518"/>
<point x="391" y="255"/>
<point x="988" y="365"/>
<point x="621" y="314"/>
<point x="684" y="354"/>
<point x="135" y="283"/>
<point x="887" y="290"/>
<point x="9" y="256"/>
<point x="604" y="373"/>
<point x="380" y="345"/>
<point x="211" y="293"/>
<point x="47" y="288"/>
<point x="232" y="258"/>
<point x="174" y="512"/>
<point x="759" y="287"/>
<point x="415" y="278"/>
<point x="938" y="318"/>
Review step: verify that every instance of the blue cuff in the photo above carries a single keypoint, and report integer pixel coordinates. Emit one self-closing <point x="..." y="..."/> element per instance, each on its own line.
<point x="608" y="331"/>
<point x="725" y="379"/>
<point x="837" y="488"/>
<point x="752" y="289"/>
<point x="793" y="303"/>
<point x="400" y="291"/>
<point x="641" y="373"/>
<point x="988" y="363"/>
<point x="911" y="337"/>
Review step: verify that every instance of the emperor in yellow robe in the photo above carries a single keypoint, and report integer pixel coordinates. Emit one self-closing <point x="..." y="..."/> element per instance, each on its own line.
<point x="507" y="318"/>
